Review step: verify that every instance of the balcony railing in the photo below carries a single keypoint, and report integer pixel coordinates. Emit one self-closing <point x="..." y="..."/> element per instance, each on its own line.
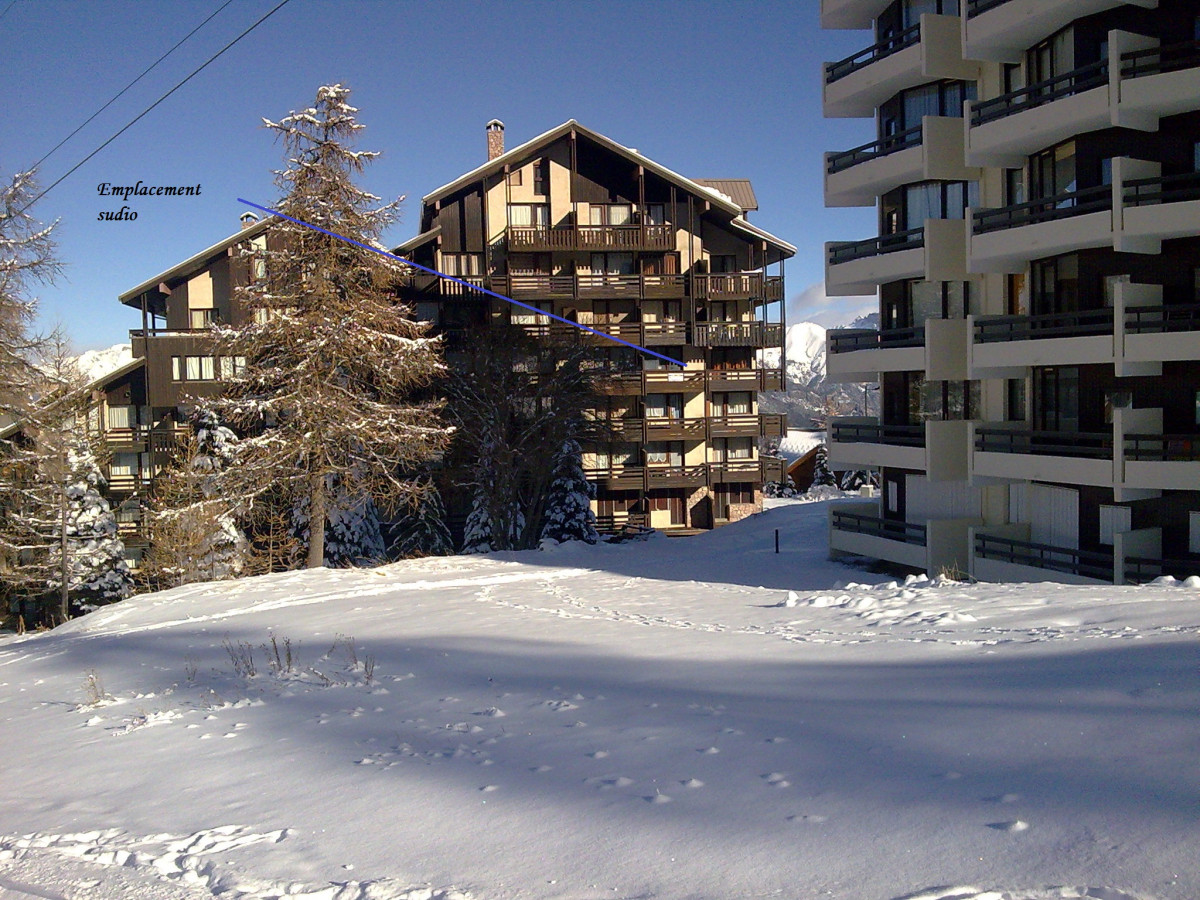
<point x="591" y="237"/>
<point x="1163" y="447"/>
<point x="737" y="334"/>
<point x="737" y="286"/>
<point x="847" y="340"/>
<point x="611" y="524"/>
<point x="649" y="477"/>
<point x="1080" y="323"/>
<point x="877" y="246"/>
<point x="867" y="433"/>
<point x="1156" y="60"/>
<point x="1163" y="319"/>
<point x="643" y="333"/>
<point x="1079" y="444"/>
<point x="874" y="526"/>
<point x="1085" y="563"/>
<point x="1069" y="83"/>
<point x="979" y="7"/>
<point x="1163" y="189"/>
<point x="885" y="48"/>
<point x="1139" y="569"/>
<point x="1047" y="209"/>
<point x="893" y="143"/>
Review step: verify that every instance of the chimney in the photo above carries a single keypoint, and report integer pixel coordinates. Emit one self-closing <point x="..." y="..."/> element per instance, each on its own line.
<point x="495" y="139"/>
<point x="247" y="219"/>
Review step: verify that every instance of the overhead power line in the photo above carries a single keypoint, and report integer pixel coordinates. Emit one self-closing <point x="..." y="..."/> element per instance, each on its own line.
<point x="118" y="96"/>
<point x="151" y="107"/>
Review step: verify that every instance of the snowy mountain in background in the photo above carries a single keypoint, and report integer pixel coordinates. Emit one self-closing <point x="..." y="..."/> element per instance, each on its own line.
<point x="809" y="399"/>
<point x="95" y="364"/>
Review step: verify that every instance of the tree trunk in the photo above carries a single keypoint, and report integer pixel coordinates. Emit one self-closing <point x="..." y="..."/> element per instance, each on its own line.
<point x="316" y="523"/>
<point x="64" y="606"/>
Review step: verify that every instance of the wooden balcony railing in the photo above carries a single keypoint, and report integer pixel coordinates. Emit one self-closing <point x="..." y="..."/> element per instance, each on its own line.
<point x="574" y="287"/>
<point x="737" y="286"/>
<point x="653" y="476"/>
<point x="737" y="334"/>
<point x="590" y="237"/>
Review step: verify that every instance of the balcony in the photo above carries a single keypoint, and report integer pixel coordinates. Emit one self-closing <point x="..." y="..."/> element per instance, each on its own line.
<point x="1006" y="239"/>
<point x="745" y="379"/>
<point x="1156" y="208"/>
<point x="1004" y="346"/>
<point x="753" y="425"/>
<point x="576" y="287"/>
<point x="1155" y="333"/>
<point x="929" y="151"/>
<point x="1162" y="462"/>
<point x="862" y="442"/>
<point x="665" y="428"/>
<point x="1001" y="30"/>
<point x="534" y="238"/>
<point x="737" y="334"/>
<point x="737" y="286"/>
<point x="1017" y="453"/>
<point x="928" y="51"/>
<point x="1134" y="86"/>
<point x="854" y="355"/>
<point x="1002" y="558"/>
<point x="858" y="528"/>
<point x="934" y="252"/>
<point x="641" y="333"/>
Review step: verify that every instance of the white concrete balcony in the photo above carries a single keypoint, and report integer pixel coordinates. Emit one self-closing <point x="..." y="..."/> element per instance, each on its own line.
<point x="928" y="51"/>
<point x="1152" y="207"/>
<point x="932" y="545"/>
<point x="930" y="151"/>
<point x="1001" y="30"/>
<point x="1005" y="554"/>
<point x="1133" y="87"/>
<point x="938" y="448"/>
<point x="938" y="348"/>
<point x="1153" y="334"/>
<point x="851" y="13"/>
<point x="1153" y="461"/>
<point x="1011" y="451"/>
<point x="1007" y="238"/>
<point x="934" y="252"/>
<point x="857" y="354"/>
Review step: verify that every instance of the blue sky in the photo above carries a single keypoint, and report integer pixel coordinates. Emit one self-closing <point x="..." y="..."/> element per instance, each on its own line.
<point x="709" y="89"/>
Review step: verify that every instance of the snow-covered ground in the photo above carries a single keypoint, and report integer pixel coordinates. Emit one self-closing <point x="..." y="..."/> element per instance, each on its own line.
<point x="691" y="718"/>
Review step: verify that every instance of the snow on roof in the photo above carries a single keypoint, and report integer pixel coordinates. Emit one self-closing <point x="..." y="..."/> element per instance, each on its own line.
<point x="738" y="190"/>
<point x="800" y="441"/>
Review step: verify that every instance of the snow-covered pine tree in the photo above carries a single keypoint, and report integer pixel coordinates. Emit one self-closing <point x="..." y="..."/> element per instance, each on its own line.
<point x="336" y="371"/>
<point x="569" y="515"/>
<point x="194" y="532"/>
<point x="477" y="534"/>
<point x="822" y="474"/>
<point x="94" y="565"/>
<point x="422" y="530"/>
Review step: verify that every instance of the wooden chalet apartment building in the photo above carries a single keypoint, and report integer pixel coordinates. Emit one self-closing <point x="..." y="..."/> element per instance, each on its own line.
<point x="571" y="223"/>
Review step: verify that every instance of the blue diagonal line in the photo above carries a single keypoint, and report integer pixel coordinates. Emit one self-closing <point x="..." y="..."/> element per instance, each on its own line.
<point x="474" y="287"/>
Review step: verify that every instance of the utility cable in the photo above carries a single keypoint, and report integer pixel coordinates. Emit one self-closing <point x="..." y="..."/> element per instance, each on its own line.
<point x="149" y="108"/>
<point x="118" y="96"/>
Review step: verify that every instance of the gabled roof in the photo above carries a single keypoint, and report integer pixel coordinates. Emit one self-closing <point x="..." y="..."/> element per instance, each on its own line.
<point x="739" y="190"/>
<point x="194" y="264"/>
<point x="132" y="366"/>
<point x="713" y="195"/>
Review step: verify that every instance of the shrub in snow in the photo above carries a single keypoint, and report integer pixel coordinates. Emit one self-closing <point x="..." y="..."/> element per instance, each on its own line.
<point x="568" y="515"/>
<point x="352" y="533"/>
<point x="780" y="489"/>
<point x="856" y="478"/>
<point x="477" y="536"/>
<point x="422" y="531"/>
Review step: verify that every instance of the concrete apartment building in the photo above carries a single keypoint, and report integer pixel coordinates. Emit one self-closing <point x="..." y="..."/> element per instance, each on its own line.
<point x="571" y="223"/>
<point x="1036" y="172"/>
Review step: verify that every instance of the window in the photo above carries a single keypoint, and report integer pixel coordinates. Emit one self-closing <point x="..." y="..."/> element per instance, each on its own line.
<point x="1052" y="174"/>
<point x="201" y="318"/>
<point x="1197" y="405"/>
<point x="462" y="265"/>
<point x="123" y="464"/>
<point x="729" y="449"/>
<point x="541" y="177"/>
<point x="610" y="214"/>
<point x="514" y="178"/>
<point x="1015" y="404"/>
<point x="732" y="403"/>
<point x="1194" y="532"/>
<point x="1056" y="399"/>
<point x="1113" y="520"/>
<point x="722" y="263"/>
<point x="122" y="416"/>
<point x="656" y="213"/>
<point x="527" y="214"/>
<point x="177" y="366"/>
<point x="907" y="208"/>
<point x="232" y="366"/>
<point x="1055" y="287"/>
<point x="664" y="453"/>
<point x="612" y="264"/>
<point x="520" y="316"/>
<point x="198" y="368"/>
<point x="664" y="406"/>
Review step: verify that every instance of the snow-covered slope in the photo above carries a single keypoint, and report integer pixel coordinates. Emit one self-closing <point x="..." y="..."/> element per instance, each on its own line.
<point x="683" y="718"/>
<point x="808" y="396"/>
<point x="93" y="364"/>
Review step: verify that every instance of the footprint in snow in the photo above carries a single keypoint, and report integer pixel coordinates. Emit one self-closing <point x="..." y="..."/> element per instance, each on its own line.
<point x="1014" y="827"/>
<point x="598" y="754"/>
<point x="541" y="769"/>
<point x="807" y="820"/>
<point x="657" y="798"/>
<point x="560" y="705"/>
<point x="776" y="779"/>
<point x="708" y="751"/>
<point x="492" y="712"/>
<point x="692" y="783"/>
<point x="489" y="788"/>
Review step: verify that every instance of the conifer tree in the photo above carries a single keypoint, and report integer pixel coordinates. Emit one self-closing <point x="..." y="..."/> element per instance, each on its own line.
<point x="353" y="536"/>
<point x="422" y="530"/>
<point x="569" y="515"/>
<point x="336" y="372"/>
<point x="477" y="535"/>
<point x="822" y="474"/>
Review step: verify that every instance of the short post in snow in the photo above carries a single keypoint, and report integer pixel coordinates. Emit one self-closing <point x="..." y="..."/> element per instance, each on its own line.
<point x="776" y="540"/>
